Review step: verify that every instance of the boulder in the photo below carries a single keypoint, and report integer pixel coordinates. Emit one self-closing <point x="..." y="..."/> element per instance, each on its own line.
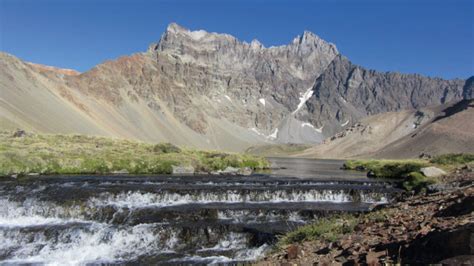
<point x="120" y="172"/>
<point x="432" y="171"/>
<point x="425" y="156"/>
<point x="292" y="252"/>
<point x="19" y="133"/>
<point x="245" y="171"/>
<point x="179" y="170"/>
<point x="230" y="170"/>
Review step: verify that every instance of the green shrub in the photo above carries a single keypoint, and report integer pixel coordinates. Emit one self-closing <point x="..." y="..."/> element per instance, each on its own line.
<point x="406" y="172"/>
<point x="416" y="181"/>
<point x="166" y="148"/>
<point x="329" y="229"/>
<point x="395" y="169"/>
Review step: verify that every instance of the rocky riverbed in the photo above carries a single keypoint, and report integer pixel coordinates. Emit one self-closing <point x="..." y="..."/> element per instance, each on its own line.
<point x="432" y="228"/>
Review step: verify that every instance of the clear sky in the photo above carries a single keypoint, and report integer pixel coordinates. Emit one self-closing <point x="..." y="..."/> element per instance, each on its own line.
<point x="430" y="37"/>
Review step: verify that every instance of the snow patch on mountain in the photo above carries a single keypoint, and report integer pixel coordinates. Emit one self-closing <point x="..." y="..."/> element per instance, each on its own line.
<point x="304" y="98"/>
<point x="274" y="135"/>
<point x="319" y="130"/>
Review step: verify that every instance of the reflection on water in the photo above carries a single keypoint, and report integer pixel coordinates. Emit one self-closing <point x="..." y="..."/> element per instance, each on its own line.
<point x="312" y="168"/>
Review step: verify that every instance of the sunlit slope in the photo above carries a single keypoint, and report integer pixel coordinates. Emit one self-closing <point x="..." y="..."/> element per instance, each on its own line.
<point x="47" y="101"/>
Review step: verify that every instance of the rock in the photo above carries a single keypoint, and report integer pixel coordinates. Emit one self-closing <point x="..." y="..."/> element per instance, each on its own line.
<point x="292" y="252"/>
<point x="14" y="176"/>
<point x="180" y="170"/>
<point x="441" y="244"/>
<point x="467" y="168"/>
<point x="245" y="171"/>
<point x="203" y="173"/>
<point x="432" y="171"/>
<point x="230" y="170"/>
<point x="440" y="187"/>
<point x="371" y="174"/>
<point x="425" y="156"/>
<point x="372" y="258"/>
<point x="458" y="260"/>
<point x="121" y="172"/>
<point x="344" y="80"/>
<point x="33" y="174"/>
<point x="19" y="133"/>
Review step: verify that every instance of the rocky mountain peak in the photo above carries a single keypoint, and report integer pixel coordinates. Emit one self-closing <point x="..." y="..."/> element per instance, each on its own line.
<point x="255" y="44"/>
<point x="309" y="41"/>
<point x="175" y="29"/>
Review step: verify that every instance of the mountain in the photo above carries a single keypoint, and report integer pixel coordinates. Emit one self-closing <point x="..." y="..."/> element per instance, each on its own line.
<point x="434" y="130"/>
<point x="346" y="93"/>
<point x="210" y="90"/>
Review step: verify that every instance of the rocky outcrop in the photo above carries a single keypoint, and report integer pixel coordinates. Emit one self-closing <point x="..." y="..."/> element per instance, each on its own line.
<point x="432" y="171"/>
<point x="201" y="75"/>
<point x="468" y="89"/>
<point x="345" y="93"/>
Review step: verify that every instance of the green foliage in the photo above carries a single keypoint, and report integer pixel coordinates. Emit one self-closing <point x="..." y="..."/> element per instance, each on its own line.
<point x="406" y="172"/>
<point x="453" y="159"/>
<point x="396" y="169"/>
<point x="328" y="229"/>
<point x="77" y="154"/>
<point x="416" y="181"/>
<point x="166" y="148"/>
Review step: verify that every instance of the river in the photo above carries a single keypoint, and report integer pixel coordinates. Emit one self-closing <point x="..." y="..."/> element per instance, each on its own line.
<point x="173" y="219"/>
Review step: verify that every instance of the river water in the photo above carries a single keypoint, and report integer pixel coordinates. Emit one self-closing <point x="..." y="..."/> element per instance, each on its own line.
<point x="173" y="219"/>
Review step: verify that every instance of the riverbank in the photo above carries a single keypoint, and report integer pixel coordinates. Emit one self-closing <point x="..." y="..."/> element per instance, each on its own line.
<point x="23" y="153"/>
<point x="430" y="227"/>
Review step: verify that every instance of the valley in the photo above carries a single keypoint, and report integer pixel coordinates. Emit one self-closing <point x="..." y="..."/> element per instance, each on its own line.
<point x="206" y="149"/>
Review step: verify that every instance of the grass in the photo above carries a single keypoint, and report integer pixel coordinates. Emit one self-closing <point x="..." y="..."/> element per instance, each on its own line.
<point x="417" y="182"/>
<point x="325" y="229"/>
<point x="453" y="159"/>
<point x="331" y="229"/>
<point x="386" y="168"/>
<point x="276" y="150"/>
<point x="79" y="154"/>
<point x="406" y="172"/>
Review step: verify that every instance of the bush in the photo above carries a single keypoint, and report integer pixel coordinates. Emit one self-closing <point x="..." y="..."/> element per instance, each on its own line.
<point x="406" y="172"/>
<point x="416" y="181"/>
<point x="396" y="169"/>
<point x="330" y="229"/>
<point x="166" y="148"/>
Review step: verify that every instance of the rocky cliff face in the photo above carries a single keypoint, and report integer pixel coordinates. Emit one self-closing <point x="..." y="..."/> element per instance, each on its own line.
<point x="211" y="90"/>
<point x="199" y="74"/>
<point x="345" y="93"/>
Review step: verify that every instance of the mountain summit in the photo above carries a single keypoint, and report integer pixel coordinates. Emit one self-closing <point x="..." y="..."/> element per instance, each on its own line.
<point x="210" y="90"/>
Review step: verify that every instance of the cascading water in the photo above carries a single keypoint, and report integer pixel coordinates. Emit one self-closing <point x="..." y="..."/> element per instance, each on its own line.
<point x="165" y="219"/>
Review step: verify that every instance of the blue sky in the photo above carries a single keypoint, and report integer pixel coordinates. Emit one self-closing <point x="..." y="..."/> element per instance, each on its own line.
<point x="430" y="37"/>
